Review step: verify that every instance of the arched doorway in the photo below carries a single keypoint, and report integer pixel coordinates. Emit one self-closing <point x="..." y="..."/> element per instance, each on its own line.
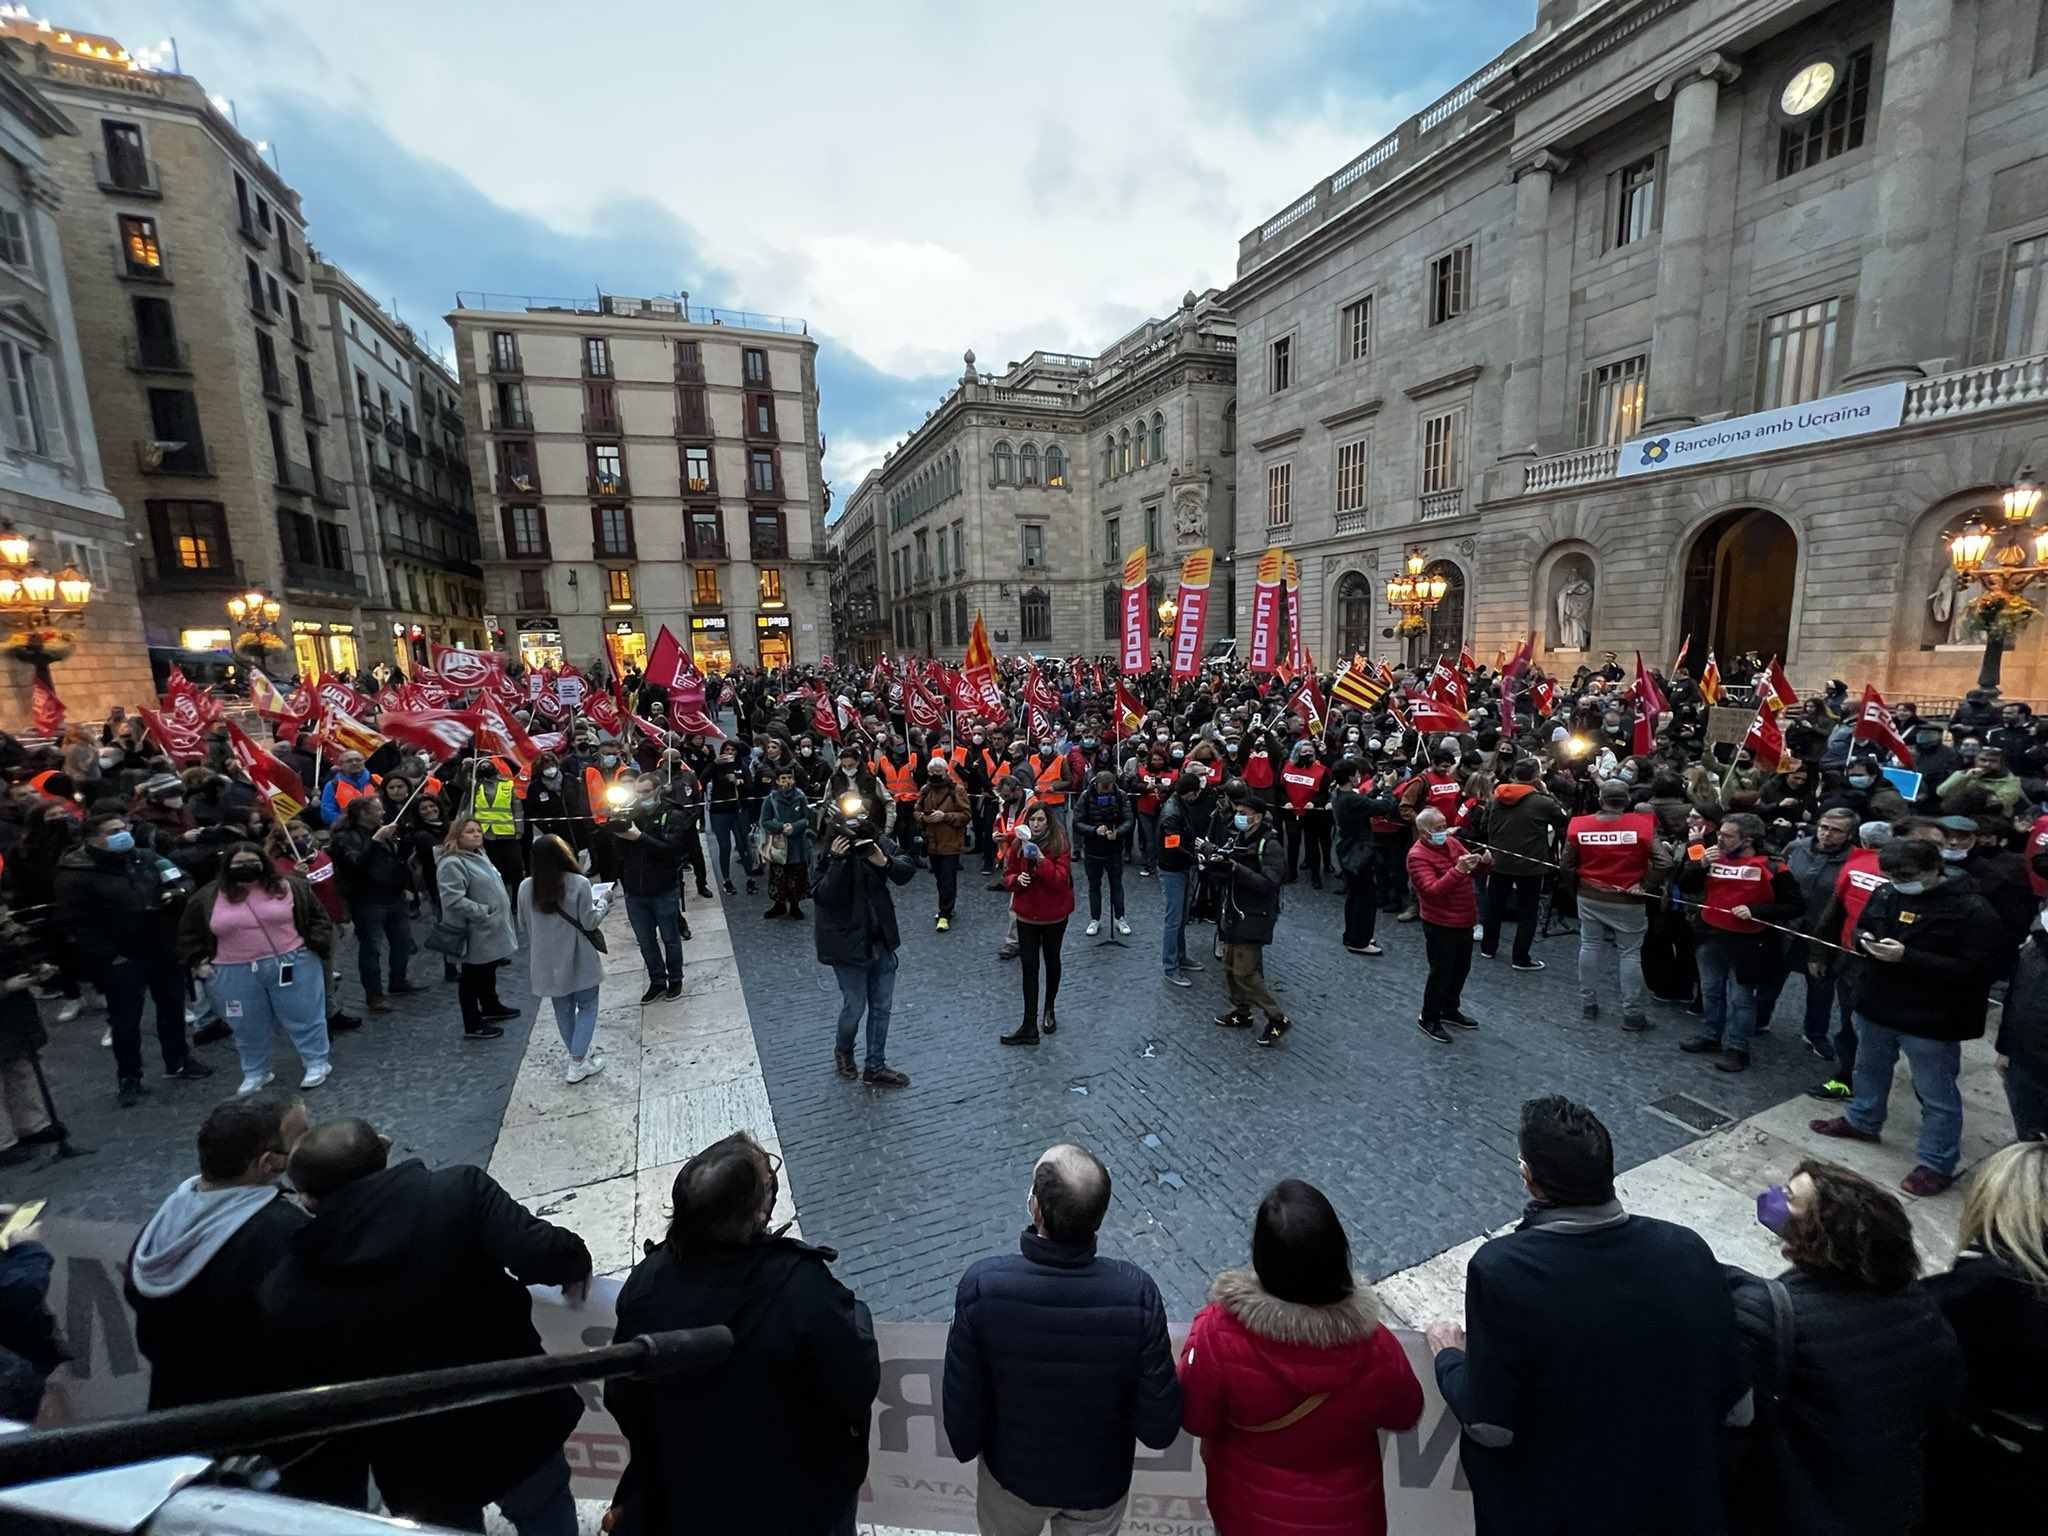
<point x="1446" y="621"/>
<point x="1740" y="575"/>
<point x="1354" y="618"/>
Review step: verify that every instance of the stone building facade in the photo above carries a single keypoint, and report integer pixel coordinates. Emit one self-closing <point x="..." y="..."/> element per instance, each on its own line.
<point x="860" y="613"/>
<point x="197" y="325"/>
<point x="1019" y="496"/>
<point x="401" y="418"/>
<point x="1646" y="215"/>
<point x="639" y="462"/>
<point x="52" y="487"/>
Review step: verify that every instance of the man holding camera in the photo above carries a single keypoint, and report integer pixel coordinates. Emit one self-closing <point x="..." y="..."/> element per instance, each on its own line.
<point x="1440" y="869"/>
<point x="854" y="922"/>
<point x="648" y="833"/>
<point x="1253" y="863"/>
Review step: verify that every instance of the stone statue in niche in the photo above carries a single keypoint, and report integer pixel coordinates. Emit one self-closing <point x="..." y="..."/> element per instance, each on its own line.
<point x="1949" y="605"/>
<point x="1572" y="580"/>
<point x="1190" y="520"/>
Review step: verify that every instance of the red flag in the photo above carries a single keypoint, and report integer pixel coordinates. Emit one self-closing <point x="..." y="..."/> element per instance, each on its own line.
<point x="1130" y="714"/>
<point x="1764" y="738"/>
<point x="332" y="694"/>
<point x="825" y="719"/>
<point x="282" y="789"/>
<point x="1648" y="691"/>
<point x="601" y="712"/>
<point x="1446" y="685"/>
<point x="181" y="743"/>
<point x="669" y="665"/>
<point x="388" y="698"/>
<point x="1874" y="723"/>
<point x="1643" y="733"/>
<point x="1265" y="647"/>
<point x="1074" y="665"/>
<point x="1307" y="700"/>
<point x="1435" y="714"/>
<point x="1772" y="681"/>
<point x="1135" y="626"/>
<point x="655" y="733"/>
<point x="498" y="734"/>
<point x="190" y="702"/>
<point x="46" y="710"/>
<point x="1038" y="693"/>
<point x="344" y="733"/>
<point x="1540" y="695"/>
<point x="1041" y="722"/>
<point x="1467" y="663"/>
<point x="462" y="669"/>
<point x="1683" y="646"/>
<point x="440" y="733"/>
<point x="1519" y="662"/>
<point x="551" y="709"/>
<point x="1192" y="604"/>
<point x="919" y="707"/>
<point x="1297" y="642"/>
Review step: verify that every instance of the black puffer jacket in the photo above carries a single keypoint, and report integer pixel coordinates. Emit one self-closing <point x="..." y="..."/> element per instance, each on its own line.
<point x="804" y="1360"/>
<point x="116" y="906"/>
<point x="853" y="915"/>
<point x="370" y="869"/>
<point x="1251" y="901"/>
<point x="2023" y="1022"/>
<point x="1844" y="1420"/>
<point x="1938" y="988"/>
<point x="1112" y="811"/>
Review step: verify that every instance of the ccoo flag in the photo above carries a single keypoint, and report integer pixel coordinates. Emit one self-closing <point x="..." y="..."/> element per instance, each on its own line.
<point x="1265" y="651"/>
<point x="1137" y="652"/>
<point x="1191" y="606"/>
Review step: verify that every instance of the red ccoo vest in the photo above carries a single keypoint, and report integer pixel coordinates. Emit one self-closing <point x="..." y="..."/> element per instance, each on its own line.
<point x="1733" y="883"/>
<point x="1613" y="851"/>
<point x="1301" y="784"/>
<point x="1854" y="882"/>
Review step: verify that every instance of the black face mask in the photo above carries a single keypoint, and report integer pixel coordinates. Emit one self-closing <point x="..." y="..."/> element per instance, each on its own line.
<point x="244" y="874"/>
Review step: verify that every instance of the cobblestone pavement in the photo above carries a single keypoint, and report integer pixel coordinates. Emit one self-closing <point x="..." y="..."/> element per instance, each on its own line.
<point x="409" y="1072"/>
<point x="1413" y="1141"/>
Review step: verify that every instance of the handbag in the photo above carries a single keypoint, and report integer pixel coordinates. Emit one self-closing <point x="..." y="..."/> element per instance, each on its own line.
<point x="775" y="847"/>
<point x="445" y="938"/>
<point x="595" y="935"/>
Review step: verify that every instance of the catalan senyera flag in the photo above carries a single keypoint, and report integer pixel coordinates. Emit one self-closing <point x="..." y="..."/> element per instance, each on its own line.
<point x="978" y="665"/>
<point x="1192" y="606"/>
<point x="1710" y="680"/>
<point x="1357" y="685"/>
<point x="1137" y="649"/>
<point x="1265" y="648"/>
<point x="343" y="732"/>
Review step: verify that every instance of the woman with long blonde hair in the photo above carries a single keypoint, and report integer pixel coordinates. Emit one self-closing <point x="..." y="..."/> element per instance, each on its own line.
<point x="1996" y="1299"/>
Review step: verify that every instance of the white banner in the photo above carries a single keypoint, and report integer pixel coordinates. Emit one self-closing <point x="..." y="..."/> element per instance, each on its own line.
<point x="913" y="1480"/>
<point x="1860" y="411"/>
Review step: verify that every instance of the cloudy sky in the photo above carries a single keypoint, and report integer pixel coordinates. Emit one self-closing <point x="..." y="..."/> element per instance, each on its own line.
<point x="913" y="177"/>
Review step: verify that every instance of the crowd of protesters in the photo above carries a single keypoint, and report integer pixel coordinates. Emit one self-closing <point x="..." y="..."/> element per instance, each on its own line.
<point x="1609" y="1374"/>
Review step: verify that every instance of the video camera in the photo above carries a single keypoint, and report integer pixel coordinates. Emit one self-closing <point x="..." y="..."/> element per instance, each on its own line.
<point x="849" y="815"/>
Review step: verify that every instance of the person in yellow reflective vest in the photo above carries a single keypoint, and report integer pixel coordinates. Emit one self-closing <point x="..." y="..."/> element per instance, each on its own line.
<point x="498" y="810"/>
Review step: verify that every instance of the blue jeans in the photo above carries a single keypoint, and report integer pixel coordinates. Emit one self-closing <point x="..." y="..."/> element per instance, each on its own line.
<point x="576" y="1018"/>
<point x="2027" y="1092"/>
<point x="1820" y="1007"/>
<point x="1730" y="1005"/>
<point x="255" y="1004"/>
<point x="659" y="918"/>
<point x="385" y="918"/>
<point x="869" y="988"/>
<point x="1173" y="936"/>
<point x="729" y="827"/>
<point x="1934" y="1065"/>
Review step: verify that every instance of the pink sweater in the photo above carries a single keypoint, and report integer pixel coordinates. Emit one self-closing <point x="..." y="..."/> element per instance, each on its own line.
<point x="254" y="929"/>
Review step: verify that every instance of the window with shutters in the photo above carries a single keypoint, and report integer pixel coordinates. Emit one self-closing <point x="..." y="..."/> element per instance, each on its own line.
<point x="1354" y="330"/>
<point x="1836" y="128"/>
<point x="762" y="477"/>
<point x="607" y="467"/>
<point x="1279" y="495"/>
<point x="189" y="535"/>
<point x="959" y="561"/>
<point x="1798" y="353"/>
<point x="1280" y="365"/>
<point x="771" y="588"/>
<point x="1351" y="461"/>
<point x="1158" y="438"/>
<point x="139" y="246"/>
<point x="1034" y="545"/>
<point x="526" y="532"/>
<point x="1112" y="540"/>
<point x="1027" y="464"/>
<point x="1611" y="401"/>
<point x="1112" y="610"/>
<point x="704" y="587"/>
<point x="1034" y="614"/>
<point x="597" y="357"/>
<point x="612" y="532"/>
<point x="14" y="246"/>
<point x="533" y="589"/>
<point x="1003" y="462"/>
<point x="1055" y="466"/>
<point x="24" y="419"/>
<point x="1443" y="451"/>
<point x="618" y="588"/>
<point x="1450" y="285"/>
<point x="1152" y="529"/>
<point x="754" y="361"/>
<point x="697" y="471"/>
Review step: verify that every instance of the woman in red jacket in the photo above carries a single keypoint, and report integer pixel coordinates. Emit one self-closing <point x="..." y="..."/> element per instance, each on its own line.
<point x="1288" y="1377"/>
<point x="1040" y="879"/>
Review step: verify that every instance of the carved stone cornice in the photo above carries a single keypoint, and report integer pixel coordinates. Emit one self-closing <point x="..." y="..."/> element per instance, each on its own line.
<point x="1278" y="440"/>
<point x="1444" y="381"/>
<point x="1349" y="414"/>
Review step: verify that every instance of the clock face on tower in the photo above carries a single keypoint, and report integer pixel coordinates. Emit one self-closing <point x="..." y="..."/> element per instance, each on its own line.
<point x="1810" y="86"/>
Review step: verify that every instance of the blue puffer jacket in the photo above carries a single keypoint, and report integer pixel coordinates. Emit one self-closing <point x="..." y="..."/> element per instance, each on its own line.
<point x="1057" y="1362"/>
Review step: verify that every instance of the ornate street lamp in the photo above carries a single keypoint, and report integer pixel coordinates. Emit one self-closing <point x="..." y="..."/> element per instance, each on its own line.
<point x="1414" y="592"/>
<point x="36" y="601"/>
<point x="2004" y="565"/>
<point x="1167" y="609"/>
<point x="255" y="613"/>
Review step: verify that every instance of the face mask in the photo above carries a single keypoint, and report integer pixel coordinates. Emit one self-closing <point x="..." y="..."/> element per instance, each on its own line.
<point x="611" y="759"/>
<point x="1772" y="1211"/>
<point x="110" y="759"/>
<point x="1955" y="855"/>
<point x="242" y="874"/>
<point x="1178" y="754"/>
<point x="1088" y="745"/>
<point x="1627" y="775"/>
<point x="551" y="776"/>
<point x="810" y="751"/>
<point x="1909" y="887"/>
<point x="1242" y="822"/>
<point x="486" y="775"/>
<point x="1859" y="781"/>
<point x="121" y="842"/>
<point x="1439" y="838"/>
<point x="173" y="802"/>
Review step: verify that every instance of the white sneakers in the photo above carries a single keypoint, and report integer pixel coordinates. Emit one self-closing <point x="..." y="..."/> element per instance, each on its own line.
<point x="315" y="1076"/>
<point x="1123" y="927"/>
<point x="252" y="1083"/>
<point x="589" y="1066"/>
<point x="1094" y="927"/>
<point x="69" y="1011"/>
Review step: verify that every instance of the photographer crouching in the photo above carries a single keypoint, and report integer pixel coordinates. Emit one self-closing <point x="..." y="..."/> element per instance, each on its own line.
<point x="1250" y="864"/>
<point x="854" y="922"/>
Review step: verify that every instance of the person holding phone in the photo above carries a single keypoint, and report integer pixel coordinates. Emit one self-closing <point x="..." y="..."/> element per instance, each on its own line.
<point x="1038" y="871"/>
<point x="259" y="940"/>
<point x="560" y="913"/>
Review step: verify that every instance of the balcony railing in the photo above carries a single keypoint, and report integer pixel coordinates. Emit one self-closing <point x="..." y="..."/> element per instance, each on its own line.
<point x="700" y="485"/>
<point x="525" y="482"/>
<point x="1582" y="466"/>
<point x="295" y="477"/>
<point x="506" y="365"/>
<point x="758" y="431"/>
<point x="158" y="355"/>
<point x="223" y="575"/>
<point x="275" y="388"/>
<point x="142" y="272"/>
<point x="394" y="434"/>
<point x="1354" y="522"/>
<point x="309" y="405"/>
<point x="129" y="175"/>
<point x="689" y="373"/>
<point x="302" y="337"/>
<point x="764" y="487"/>
<point x="762" y="545"/>
<point x="596" y="367"/>
<point x="1438" y="504"/>
<point x="328" y="490"/>
<point x="288" y="261"/>
<point x="304" y="576"/>
<point x="251" y="231"/>
<point x="693" y="426"/>
<point x="604" y="424"/>
<point x="512" y="421"/>
<point x="413" y="444"/>
<point x="451" y="417"/>
<point x="155" y="457"/>
<point x="616" y="486"/>
<point x="703" y="546"/>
